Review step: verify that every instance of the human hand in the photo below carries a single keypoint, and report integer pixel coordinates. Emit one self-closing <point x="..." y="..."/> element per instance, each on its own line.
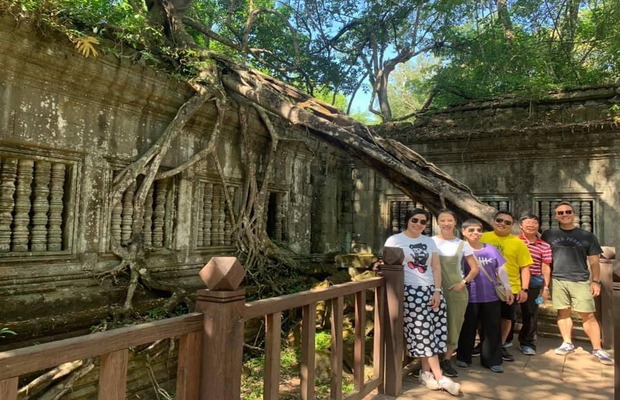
<point x="510" y="299"/>
<point x="595" y="289"/>
<point x="435" y="300"/>
<point x="458" y="287"/>
<point x="545" y="293"/>
<point x="522" y="296"/>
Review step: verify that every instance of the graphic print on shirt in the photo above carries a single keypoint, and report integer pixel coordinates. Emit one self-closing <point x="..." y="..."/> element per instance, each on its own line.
<point x="566" y="242"/>
<point x="488" y="264"/>
<point x="419" y="254"/>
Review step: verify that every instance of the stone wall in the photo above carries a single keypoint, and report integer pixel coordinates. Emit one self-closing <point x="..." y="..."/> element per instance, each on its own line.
<point x="67" y="125"/>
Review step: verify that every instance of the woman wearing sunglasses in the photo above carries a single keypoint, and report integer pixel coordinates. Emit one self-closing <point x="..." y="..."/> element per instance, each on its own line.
<point x="425" y="319"/>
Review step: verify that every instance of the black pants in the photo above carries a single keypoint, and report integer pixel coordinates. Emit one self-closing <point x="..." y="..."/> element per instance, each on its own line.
<point x="489" y="316"/>
<point x="529" y="317"/>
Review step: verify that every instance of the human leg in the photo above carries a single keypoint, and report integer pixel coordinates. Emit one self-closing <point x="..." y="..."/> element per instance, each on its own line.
<point x="592" y="329"/>
<point x="565" y="324"/>
<point x="529" y="317"/>
<point x="508" y="315"/>
<point x="491" y="354"/>
<point x="467" y="337"/>
<point x="456" y="303"/>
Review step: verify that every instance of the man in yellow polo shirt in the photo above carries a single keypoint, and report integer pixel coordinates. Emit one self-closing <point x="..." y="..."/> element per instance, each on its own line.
<point x="518" y="261"/>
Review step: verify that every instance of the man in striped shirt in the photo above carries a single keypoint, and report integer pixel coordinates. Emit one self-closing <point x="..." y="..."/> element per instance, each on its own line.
<point x="540" y="276"/>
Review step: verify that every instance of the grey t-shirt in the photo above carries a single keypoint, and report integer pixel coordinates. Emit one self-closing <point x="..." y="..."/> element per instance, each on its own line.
<point x="571" y="249"/>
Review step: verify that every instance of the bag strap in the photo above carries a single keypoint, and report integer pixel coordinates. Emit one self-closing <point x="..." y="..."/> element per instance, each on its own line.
<point x="485" y="272"/>
<point x="459" y="249"/>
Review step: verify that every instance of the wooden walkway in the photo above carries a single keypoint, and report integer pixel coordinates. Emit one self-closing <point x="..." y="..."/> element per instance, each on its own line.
<point x="545" y="376"/>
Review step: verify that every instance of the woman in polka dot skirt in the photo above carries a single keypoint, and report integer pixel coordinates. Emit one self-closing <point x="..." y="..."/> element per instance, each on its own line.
<point x="425" y="317"/>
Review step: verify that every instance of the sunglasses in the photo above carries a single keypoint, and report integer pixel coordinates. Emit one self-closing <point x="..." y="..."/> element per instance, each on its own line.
<point x="503" y="221"/>
<point x="567" y="212"/>
<point x="472" y="230"/>
<point x="418" y="221"/>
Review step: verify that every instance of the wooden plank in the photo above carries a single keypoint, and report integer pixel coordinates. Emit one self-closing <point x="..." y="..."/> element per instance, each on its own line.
<point x="378" y="357"/>
<point x="8" y="389"/>
<point x="359" y="345"/>
<point x="188" y="368"/>
<point x="616" y="320"/>
<point x="113" y="375"/>
<point x="35" y="358"/>
<point x="264" y="307"/>
<point x="371" y="385"/>
<point x="308" y="331"/>
<point x="337" y="350"/>
<point x="273" y="338"/>
<point x="606" y="303"/>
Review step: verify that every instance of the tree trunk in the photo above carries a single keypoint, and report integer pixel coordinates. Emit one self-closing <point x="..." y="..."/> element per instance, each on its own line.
<point x="420" y="180"/>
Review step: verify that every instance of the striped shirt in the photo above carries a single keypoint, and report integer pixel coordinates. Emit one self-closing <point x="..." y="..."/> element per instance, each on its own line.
<point x="541" y="253"/>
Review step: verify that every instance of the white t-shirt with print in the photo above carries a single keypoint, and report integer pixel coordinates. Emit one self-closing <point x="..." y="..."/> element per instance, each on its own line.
<point x="417" y="262"/>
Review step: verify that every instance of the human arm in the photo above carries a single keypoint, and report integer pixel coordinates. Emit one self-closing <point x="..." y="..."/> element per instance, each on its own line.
<point x="473" y="272"/>
<point x="436" y="267"/>
<point x="525" y="283"/>
<point x="503" y="278"/>
<point x="595" y="275"/>
<point x="546" y="271"/>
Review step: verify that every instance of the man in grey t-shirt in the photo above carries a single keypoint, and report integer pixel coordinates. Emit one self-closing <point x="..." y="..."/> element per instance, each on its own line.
<point x="574" y="284"/>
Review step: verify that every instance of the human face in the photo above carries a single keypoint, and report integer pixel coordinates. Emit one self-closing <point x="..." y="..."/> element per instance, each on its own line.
<point x="565" y="215"/>
<point x="416" y="225"/>
<point x="472" y="233"/>
<point x="502" y="224"/>
<point x="529" y="226"/>
<point x="447" y="223"/>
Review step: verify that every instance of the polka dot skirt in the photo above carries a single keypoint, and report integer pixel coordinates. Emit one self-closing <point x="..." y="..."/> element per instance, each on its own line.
<point x="426" y="330"/>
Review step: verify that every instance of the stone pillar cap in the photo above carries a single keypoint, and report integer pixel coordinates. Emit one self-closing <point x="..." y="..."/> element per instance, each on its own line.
<point x="222" y="273"/>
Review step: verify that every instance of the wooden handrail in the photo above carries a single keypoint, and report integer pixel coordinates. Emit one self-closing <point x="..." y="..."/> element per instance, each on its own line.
<point x="203" y="330"/>
<point x="22" y="361"/>
<point x="272" y="305"/>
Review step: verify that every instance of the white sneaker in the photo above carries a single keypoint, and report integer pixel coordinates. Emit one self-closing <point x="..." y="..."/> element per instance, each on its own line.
<point x="449" y="386"/>
<point x="428" y="379"/>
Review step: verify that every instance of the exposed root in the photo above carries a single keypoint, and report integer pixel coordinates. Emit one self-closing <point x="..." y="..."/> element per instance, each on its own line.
<point x="42" y="382"/>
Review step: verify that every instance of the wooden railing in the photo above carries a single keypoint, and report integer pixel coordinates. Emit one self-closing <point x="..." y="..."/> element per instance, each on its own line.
<point x="211" y="340"/>
<point x="113" y="349"/>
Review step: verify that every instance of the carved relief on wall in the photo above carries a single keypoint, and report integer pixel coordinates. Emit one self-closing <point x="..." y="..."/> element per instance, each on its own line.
<point x="160" y="210"/>
<point x="276" y="217"/>
<point x="584" y="212"/>
<point x="397" y="208"/>
<point x="212" y="218"/>
<point x="36" y="204"/>
<point x="499" y="203"/>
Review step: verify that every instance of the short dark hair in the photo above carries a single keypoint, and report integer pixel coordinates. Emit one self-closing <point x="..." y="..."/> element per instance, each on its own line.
<point x="409" y="214"/>
<point x="505" y="212"/>
<point x="471" y="222"/>
<point x="564" y="203"/>
<point x="529" y="216"/>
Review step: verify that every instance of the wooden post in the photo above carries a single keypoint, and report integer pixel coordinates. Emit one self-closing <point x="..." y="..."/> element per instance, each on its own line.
<point x="616" y="320"/>
<point x="392" y="271"/>
<point x="605" y="309"/>
<point x="222" y="343"/>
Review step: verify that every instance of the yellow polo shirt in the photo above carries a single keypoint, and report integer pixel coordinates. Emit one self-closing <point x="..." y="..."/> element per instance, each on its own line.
<point x="515" y="252"/>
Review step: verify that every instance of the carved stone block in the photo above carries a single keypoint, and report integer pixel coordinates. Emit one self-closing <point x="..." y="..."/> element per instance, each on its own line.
<point x="222" y="273"/>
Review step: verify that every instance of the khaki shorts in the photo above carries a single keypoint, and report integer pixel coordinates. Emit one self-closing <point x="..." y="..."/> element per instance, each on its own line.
<point x="575" y="295"/>
<point x="457" y="304"/>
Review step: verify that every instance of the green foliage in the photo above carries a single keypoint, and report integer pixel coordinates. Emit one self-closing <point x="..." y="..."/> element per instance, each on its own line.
<point x="551" y="49"/>
<point x="463" y="49"/>
<point x="6" y="331"/>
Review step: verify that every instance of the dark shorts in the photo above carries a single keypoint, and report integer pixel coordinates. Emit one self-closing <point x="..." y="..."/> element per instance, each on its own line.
<point x="509" y="311"/>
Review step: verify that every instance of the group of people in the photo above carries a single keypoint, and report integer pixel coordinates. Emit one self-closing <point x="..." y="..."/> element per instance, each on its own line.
<point x="459" y="290"/>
